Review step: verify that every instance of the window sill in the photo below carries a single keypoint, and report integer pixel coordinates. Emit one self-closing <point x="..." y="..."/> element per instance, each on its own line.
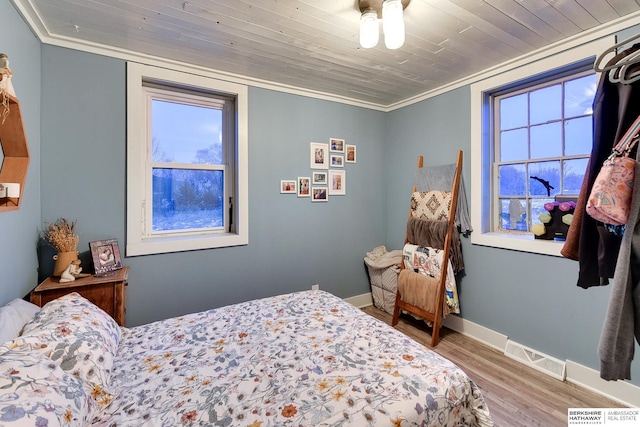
<point x="159" y="245"/>
<point x="524" y="243"/>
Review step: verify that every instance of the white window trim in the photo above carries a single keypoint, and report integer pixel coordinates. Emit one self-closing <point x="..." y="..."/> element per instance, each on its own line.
<point x="137" y="243"/>
<point x="480" y="182"/>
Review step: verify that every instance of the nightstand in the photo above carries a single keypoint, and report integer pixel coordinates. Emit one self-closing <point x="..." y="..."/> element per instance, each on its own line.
<point x="107" y="292"/>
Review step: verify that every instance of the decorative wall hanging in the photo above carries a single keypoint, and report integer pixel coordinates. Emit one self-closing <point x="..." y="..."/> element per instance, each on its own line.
<point x="329" y="176"/>
<point x="337" y="161"/>
<point x="288" y="186"/>
<point x="337" y="145"/>
<point x="337" y="183"/>
<point x="319" y="178"/>
<point x="351" y="154"/>
<point x="304" y="186"/>
<point x="319" y="194"/>
<point x="319" y="155"/>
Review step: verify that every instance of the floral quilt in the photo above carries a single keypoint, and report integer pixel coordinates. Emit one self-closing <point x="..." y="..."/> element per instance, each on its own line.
<point x="301" y="359"/>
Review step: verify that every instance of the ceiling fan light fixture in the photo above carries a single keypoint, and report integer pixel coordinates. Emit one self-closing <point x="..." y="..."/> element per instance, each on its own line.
<point x="369" y="29"/>
<point x="393" y="23"/>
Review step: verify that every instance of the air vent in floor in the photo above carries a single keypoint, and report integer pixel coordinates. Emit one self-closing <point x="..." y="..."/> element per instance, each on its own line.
<point x="540" y="361"/>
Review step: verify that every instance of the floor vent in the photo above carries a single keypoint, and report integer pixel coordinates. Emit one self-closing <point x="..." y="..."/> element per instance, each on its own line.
<point x="540" y="361"/>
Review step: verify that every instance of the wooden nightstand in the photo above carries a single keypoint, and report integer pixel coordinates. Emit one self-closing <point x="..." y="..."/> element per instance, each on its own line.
<point x="107" y="292"/>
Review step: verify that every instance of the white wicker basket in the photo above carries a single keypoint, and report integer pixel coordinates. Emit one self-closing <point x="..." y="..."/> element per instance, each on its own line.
<point x="384" y="285"/>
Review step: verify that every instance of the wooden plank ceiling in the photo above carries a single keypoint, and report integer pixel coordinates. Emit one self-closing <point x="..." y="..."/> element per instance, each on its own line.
<point x="313" y="44"/>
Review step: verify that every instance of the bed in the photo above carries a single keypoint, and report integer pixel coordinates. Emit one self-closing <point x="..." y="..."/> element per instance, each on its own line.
<point x="301" y="359"/>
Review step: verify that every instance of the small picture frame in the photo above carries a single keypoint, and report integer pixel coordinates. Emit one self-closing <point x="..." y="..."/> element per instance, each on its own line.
<point x="319" y="194"/>
<point x="319" y="178"/>
<point x="319" y="155"/>
<point x="351" y="154"/>
<point x="106" y="256"/>
<point x="304" y="186"/>
<point x="337" y="161"/>
<point x="288" y="186"/>
<point x="337" y="145"/>
<point x="337" y="183"/>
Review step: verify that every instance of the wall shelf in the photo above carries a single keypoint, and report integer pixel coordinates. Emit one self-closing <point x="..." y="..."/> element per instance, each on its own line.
<point x="13" y="143"/>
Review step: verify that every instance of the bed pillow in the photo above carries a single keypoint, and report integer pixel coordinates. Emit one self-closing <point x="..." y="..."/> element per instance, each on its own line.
<point x="13" y="317"/>
<point x="35" y="391"/>
<point x="78" y="336"/>
<point x="80" y="314"/>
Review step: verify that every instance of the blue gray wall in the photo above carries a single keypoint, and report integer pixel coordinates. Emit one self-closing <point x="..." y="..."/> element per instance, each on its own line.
<point x="293" y="243"/>
<point x="533" y="299"/>
<point x="19" y="229"/>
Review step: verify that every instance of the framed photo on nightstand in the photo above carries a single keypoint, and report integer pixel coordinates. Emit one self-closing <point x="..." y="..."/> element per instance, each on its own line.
<point x="105" y="255"/>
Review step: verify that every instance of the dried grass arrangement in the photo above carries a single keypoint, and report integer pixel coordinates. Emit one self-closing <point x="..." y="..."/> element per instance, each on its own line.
<point x="61" y="235"/>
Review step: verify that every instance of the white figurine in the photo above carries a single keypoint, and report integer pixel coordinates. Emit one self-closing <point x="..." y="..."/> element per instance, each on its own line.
<point x="5" y="75"/>
<point x="71" y="272"/>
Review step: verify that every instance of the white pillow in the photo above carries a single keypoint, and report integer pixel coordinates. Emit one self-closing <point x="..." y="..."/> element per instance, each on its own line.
<point x="14" y="316"/>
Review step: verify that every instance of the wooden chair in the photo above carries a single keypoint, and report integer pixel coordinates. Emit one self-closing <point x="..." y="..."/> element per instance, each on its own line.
<point x="437" y="317"/>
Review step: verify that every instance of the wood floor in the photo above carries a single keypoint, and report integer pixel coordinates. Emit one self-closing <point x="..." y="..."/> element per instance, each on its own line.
<point x="517" y="395"/>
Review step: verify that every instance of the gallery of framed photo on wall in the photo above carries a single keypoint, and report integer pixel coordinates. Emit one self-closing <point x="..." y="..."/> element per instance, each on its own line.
<point x="106" y="256"/>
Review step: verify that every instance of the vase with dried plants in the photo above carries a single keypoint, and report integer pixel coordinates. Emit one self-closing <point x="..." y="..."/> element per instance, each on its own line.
<point x="61" y="236"/>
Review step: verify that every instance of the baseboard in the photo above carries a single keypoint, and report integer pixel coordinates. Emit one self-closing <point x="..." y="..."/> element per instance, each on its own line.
<point x="620" y="391"/>
<point x="477" y="332"/>
<point x="360" y="301"/>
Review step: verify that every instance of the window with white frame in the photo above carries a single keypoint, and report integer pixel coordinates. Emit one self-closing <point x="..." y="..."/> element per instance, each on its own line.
<point x="187" y="162"/>
<point x="531" y="141"/>
<point x="542" y="136"/>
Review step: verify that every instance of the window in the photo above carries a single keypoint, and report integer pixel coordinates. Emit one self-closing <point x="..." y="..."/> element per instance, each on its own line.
<point x="187" y="162"/>
<point x="531" y="140"/>
<point x="543" y="137"/>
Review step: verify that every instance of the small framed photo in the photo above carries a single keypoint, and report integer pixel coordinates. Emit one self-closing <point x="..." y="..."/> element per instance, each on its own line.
<point x="105" y="255"/>
<point x="337" y="145"/>
<point x="319" y="178"/>
<point x="319" y="155"/>
<point x="287" y="186"/>
<point x="337" y="183"/>
<point x="337" y="161"/>
<point x="351" y="154"/>
<point x="319" y="194"/>
<point x="304" y="186"/>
